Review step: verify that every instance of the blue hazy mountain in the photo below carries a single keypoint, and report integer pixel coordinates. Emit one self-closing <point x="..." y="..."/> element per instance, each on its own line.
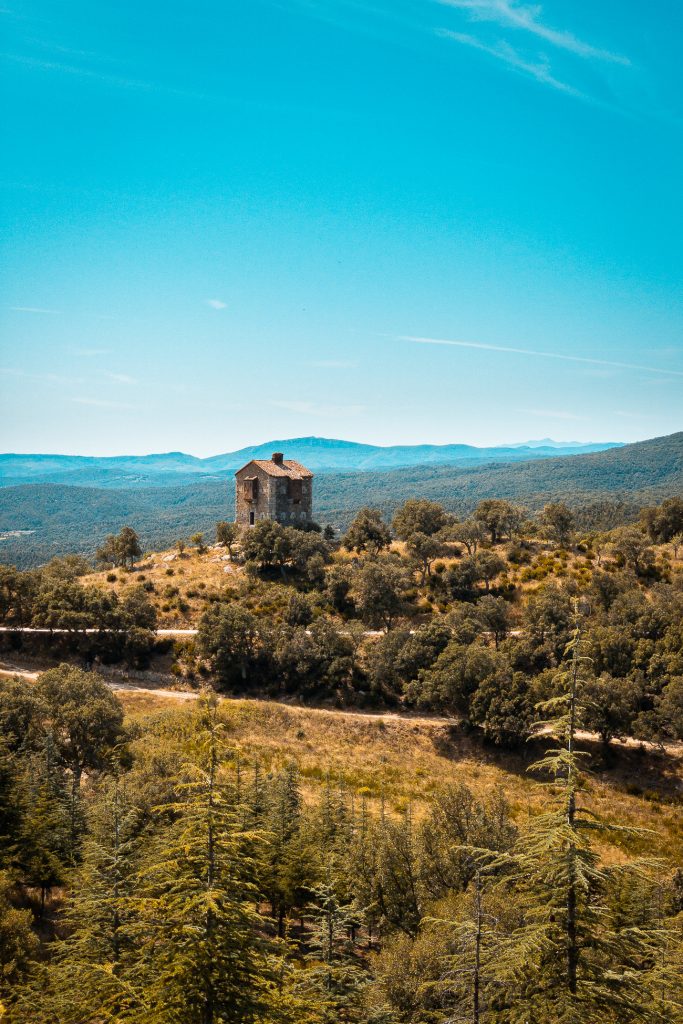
<point x="321" y="454"/>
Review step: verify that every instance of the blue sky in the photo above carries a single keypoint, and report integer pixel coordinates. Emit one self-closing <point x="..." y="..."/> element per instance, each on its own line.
<point x="391" y="221"/>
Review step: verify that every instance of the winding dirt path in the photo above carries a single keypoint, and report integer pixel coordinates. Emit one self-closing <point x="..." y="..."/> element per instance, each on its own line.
<point x="115" y="684"/>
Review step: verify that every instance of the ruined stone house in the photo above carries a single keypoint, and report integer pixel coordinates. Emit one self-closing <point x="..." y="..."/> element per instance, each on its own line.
<point x="275" y="488"/>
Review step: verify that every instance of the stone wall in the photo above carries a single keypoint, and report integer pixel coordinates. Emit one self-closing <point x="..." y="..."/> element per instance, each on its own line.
<point x="273" y="499"/>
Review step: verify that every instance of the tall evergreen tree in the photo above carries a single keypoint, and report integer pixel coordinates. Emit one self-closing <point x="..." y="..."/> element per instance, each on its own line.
<point x="573" y="965"/>
<point x="201" y="959"/>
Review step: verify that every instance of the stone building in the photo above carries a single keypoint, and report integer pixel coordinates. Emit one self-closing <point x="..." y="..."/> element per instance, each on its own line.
<point x="275" y="488"/>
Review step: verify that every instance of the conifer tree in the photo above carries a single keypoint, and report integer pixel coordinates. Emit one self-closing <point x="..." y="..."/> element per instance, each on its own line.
<point x="201" y="959"/>
<point x="94" y="968"/>
<point x="572" y="965"/>
<point x="334" y="971"/>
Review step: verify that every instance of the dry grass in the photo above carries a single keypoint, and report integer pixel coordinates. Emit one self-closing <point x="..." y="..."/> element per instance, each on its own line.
<point x="173" y="575"/>
<point x="406" y="761"/>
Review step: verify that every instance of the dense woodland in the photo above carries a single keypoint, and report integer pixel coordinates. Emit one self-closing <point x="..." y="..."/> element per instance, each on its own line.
<point x="154" y="871"/>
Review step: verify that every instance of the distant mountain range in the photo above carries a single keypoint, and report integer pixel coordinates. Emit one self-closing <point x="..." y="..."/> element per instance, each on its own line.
<point x="321" y="454"/>
<point x="38" y="521"/>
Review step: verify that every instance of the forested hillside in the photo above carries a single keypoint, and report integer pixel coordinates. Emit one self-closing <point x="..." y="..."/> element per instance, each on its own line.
<point x="608" y="485"/>
<point x="498" y="842"/>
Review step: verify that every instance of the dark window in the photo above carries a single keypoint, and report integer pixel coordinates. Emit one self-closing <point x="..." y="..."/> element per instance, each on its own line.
<point x="295" y="491"/>
<point x="251" y="518"/>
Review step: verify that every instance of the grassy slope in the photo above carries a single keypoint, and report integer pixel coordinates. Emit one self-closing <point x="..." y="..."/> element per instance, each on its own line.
<point x="370" y="754"/>
<point x="77" y="519"/>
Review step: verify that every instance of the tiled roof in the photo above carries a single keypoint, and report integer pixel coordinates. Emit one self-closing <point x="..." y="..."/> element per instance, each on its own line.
<point x="288" y="468"/>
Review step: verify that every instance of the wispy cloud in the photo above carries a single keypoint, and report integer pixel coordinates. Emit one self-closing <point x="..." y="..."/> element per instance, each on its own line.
<point x="119" y="81"/>
<point x="33" y="309"/>
<point x="539" y="354"/>
<point x="43" y="378"/>
<point x="313" y="409"/>
<point x="333" y="364"/>
<point x="216" y="304"/>
<point x="121" y="378"/>
<point x="502" y="51"/>
<point x="556" y="414"/>
<point x="101" y="403"/>
<point x="526" y="17"/>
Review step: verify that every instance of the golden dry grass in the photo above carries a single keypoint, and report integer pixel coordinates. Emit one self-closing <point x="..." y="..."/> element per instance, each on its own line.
<point x="406" y="761"/>
<point x="170" y="571"/>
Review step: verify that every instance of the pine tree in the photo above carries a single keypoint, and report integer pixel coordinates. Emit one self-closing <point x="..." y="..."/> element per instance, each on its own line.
<point x="572" y="965"/>
<point x="291" y="863"/>
<point x="334" y="971"/>
<point x="468" y="983"/>
<point x="201" y="960"/>
<point x="43" y="849"/>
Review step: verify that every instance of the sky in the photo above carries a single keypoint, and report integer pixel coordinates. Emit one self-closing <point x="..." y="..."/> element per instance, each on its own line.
<point x="390" y="221"/>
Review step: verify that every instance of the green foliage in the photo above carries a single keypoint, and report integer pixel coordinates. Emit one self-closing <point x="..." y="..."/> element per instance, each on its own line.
<point x="379" y="591"/>
<point x="227" y="534"/>
<point x="418" y="515"/>
<point x="120" y="550"/>
<point x="230" y="639"/>
<point x="367" y="532"/>
<point x="558" y="520"/>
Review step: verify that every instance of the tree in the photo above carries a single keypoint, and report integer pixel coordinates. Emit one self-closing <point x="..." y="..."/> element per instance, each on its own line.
<point x="489" y="564"/>
<point x="664" y="722"/>
<point x="267" y="544"/>
<point x="425" y="550"/>
<point x="17" y="591"/>
<point x="65" y="567"/>
<point x="471" y="533"/>
<point x="663" y="523"/>
<point x="136" y="609"/>
<point x="379" y="589"/>
<point x="21" y="715"/>
<point x="585" y="966"/>
<point x="631" y="545"/>
<point x="502" y="706"/>
<point x="496" y="617"/>
<point x="314" y="658"/>
<point x="610" y="706"/>
<point x="548" y="617"/>
<point x="84" y="717"/>
<point x="299" y="610"/>
<point x="499" y="517"/>
<point x="454" y="677"/>
<point x="198" y="541"/>
<point x="227" y="534"/>
<point x="456" y="822"/>
<point x="230" y="639"/>
<point x="44" y="847"/>
<point x="201" y="959"/>
<point x="558" y="520"/>
<point x="96" y="964"/>
<point x="122" y="549"/>
<point x="418" y="515"/>
<point x="66" y="605"/>
<point x="470" y="978"/>
<point x="85" y="721"/>
<point x="18" y="943"/>
<point x="367" y="532"/>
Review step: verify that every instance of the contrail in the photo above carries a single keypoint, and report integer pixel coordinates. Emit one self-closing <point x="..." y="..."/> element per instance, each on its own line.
<point x="543" y="355"/>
